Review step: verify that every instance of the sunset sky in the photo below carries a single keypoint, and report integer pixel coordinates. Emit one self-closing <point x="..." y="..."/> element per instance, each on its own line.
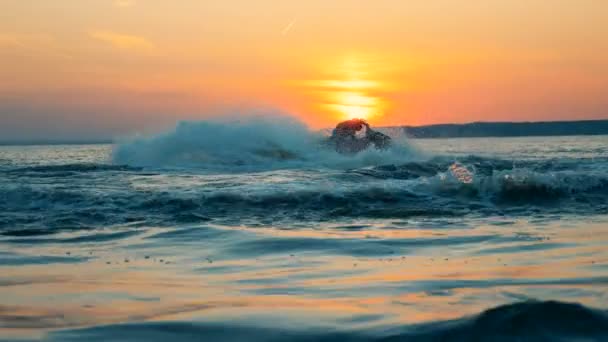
<point x="107" y="68"/>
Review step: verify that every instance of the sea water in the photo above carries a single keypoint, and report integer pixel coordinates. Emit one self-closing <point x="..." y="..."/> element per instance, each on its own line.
<point x="253" y="231"/>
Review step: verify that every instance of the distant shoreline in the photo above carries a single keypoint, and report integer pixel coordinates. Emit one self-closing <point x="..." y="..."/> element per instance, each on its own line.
<point x="508" y="129"/>
<point x="467" y="130"/>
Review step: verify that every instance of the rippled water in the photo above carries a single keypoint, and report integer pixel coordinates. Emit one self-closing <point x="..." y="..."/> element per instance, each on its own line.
<point x="167" y="238"/>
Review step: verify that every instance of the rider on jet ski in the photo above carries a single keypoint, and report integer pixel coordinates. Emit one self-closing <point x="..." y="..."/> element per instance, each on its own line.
<point x="344" y="137"/>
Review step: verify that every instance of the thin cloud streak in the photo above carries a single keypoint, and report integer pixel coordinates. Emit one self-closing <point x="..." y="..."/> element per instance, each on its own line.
<point x="288" y="27"/>
<point x="123" y="41"/>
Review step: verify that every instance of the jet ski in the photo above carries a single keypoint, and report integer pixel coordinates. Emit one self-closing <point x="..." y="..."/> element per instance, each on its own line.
<point x="344" y="137"/>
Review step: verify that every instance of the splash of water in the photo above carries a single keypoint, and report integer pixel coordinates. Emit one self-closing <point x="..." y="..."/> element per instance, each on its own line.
<point x="248" y="143"/>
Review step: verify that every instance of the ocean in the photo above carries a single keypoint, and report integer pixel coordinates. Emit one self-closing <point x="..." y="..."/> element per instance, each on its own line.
<point x="253" y="231"/>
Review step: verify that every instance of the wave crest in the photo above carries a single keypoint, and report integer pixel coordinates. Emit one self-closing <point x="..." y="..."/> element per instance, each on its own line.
<point x="258" y="143"/>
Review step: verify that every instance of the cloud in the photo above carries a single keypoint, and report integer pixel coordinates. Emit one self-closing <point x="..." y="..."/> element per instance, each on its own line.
<point x="124" y="3"/>
<point x="287" y="28"/>
<point x="123" y="41"/>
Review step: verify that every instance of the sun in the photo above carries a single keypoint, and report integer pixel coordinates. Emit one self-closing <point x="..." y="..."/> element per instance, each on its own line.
<point x="356" y="112"/>
<point x="351" y="88"/>
<point x="355" y="105"/>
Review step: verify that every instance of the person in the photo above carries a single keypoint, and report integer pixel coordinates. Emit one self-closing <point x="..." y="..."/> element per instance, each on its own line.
<point x="348" y="129"/>
<point x="344" y="137"/>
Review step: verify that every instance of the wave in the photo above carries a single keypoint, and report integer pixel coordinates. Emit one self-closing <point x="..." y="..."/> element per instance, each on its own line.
<point x="496" y="180"/>
<point x="81" y="196"/>
<point x="263" y="142"/>
<point x="428" y="190"/>
<point x="523" y="186"/>
<point x="525" y="321"/>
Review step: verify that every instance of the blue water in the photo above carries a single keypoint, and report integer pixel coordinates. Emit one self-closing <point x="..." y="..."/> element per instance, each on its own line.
<point x="253" y="231"/>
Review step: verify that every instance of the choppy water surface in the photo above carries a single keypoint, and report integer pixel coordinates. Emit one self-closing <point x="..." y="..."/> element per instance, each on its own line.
<point x="178" y="237"/>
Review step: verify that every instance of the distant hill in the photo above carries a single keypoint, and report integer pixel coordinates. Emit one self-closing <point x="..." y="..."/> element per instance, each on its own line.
<point x="508" y="129"/>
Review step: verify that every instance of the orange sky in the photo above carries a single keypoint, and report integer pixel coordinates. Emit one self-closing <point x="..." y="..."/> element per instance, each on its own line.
<point x="71" y="68"/>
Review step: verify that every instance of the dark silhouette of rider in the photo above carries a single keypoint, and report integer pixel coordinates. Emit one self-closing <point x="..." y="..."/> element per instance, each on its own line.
<point x="344" y="137"/>
<point x="348" y="129"/>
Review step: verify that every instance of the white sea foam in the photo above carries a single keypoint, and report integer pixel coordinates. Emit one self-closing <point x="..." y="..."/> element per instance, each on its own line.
<point x="261" y="142"/>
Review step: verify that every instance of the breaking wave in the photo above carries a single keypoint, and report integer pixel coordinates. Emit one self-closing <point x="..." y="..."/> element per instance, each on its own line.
<point x="245" y="144"/>
<point x="437" y="187"/>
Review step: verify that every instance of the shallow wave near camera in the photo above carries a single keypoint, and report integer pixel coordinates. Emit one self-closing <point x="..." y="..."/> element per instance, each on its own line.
<point x="384" y="245"/>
